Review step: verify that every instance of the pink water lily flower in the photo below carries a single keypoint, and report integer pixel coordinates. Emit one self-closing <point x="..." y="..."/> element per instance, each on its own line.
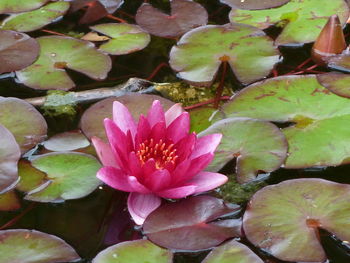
<point x="155" y="158"/>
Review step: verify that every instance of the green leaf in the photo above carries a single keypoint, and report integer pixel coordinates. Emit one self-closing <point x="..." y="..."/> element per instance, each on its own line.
<point x="31" y="178"/>
<point x="11" y="6"/>
<point x="253" y="4"/>
<point x="201" y="118"/>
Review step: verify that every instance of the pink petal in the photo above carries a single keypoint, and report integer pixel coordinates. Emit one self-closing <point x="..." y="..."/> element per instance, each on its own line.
<point x="149" y="167"/>
<point x="179" y="128"/>
<point x="141" y="205"/>
<point x="206" y="144"/>
<point x="155" y="113"/>
<point x="143" y="131"/>
<point x="172" y="113"/>
<point x="199" y="164"/>
<point x="178" y="192"/>
<point x="185" y="146"/>
<point x="180" y="173"/>
<point x="206" y="181"/>
<point x="158" y="180"/>
<point x="123" y="118"/>
<point x="135" y="166"/>
<point x="158" y="132"/>
<point x="104" y="152"/>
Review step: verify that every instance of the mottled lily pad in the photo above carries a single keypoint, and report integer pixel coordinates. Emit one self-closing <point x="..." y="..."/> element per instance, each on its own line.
<point x="58" y="53"/>
<point x="24" y="122"/>
<point x="185" y="15"/>
<point x="302" y="21"/>
<point x="140" y="251"/>
<point x="126" y="38"/>
<point x="190" y="224"/>
<point x="200" y="52"/>
<point x="283" y="219"/>
<point x="9" y="201"/>
<point x="67" y="141"/>
<point x="258" y="146"/>
<point x="232" y="252"/>
<point x="336" y="82"/>
<point x="33" y="20"/>
<point x="68" y="176"/>
<point x="319" y="132"/>
<point x="17" y="51"/>
<point x="254" y="4"/>
<point x="10" y="6"/>
<point x="30" y="246"/>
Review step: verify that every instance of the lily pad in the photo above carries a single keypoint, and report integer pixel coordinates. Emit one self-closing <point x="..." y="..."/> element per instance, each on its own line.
<point x="185" y="15"/>
<point x="340" y="62"/>
<point x="258" y="145"/>
<point x="190" y="224"/>
<point x="283" y="219"/>
<point x="200" y="52"/>
<point x="10" y="6"/>
<point x="67" y="141"/>
<point x="31" y="178"/>
<point x="17" y="51"/>
<point x="201" y="118"/>
<point x="9" y="201"/>
<point x="318" y="135"/>
<point x="33" y="20"/>
<point x="30" y="246"/>
<point x="336" y="82"/>
<point x="23" y="121"/>
<point x="69" y="176"/>
<point x="253" y="4"/>
<point x="58" y="53"/>
<point x="140" y="251"/>
<point x="232" y="252"/>
<point x="126" y="38"/>
<point x="302" y="21"/>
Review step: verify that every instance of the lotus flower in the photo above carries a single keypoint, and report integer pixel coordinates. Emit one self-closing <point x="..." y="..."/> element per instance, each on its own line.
<point x="155" y="158"/>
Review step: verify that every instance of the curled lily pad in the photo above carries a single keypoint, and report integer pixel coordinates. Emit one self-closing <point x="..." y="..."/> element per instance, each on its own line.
<point x="318" y="135"/>
<point x="9" y="201"/>
<point x="185" y="15"/>
<point x="336" y="82"/>
<point x="10" y="6"/>
<point x="126" y="38"/>
<point x="58" y="53"/>
<point x="340" y="62"/>
<point x="302" y="21"/>
<point x="253" y="4"/>
<point x="17" y="51"/>
<point x="190" y="224"/>
<point x="68" y="176"/>
<point x="140" y="251"/>
<point x="258" y="146"/>
<point x="66" y="141"/>
<point x="283" y="219"/>
<point x="30" y="246"/>
<point x="200" y="52"/>
<point x="33" y="20"/>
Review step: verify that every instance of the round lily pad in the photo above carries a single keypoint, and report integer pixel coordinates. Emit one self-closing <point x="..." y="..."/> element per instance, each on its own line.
<point x="126" y="38"/>
<point x="253" y="4"/>
<point x="258" y="145"/>
<point x="302" y="21"/>
<point x="283" y="219"/>
<point x="232" y="252"/>
<point x="30" y="246"/>
<point x="318" y="134"/>
<point x="58" y="53"/>
<point x="67" y="141"/>
<point x="340" y="62"/>
<point x="336" y="82"/>
<point x="200" y="52"/>
<point x="9" y="201"/>
<point x="24" y="122"/>
<point x="68" y="176"/>
<point x="140" y="251"/>
<point x="17" y="51"/>
<point x="185" y="15"/>
<point x="10" y="6"/>
<point x="33" y="20"/>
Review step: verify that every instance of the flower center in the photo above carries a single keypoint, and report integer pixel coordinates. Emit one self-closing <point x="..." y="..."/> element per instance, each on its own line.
<point x="161" y="152"/>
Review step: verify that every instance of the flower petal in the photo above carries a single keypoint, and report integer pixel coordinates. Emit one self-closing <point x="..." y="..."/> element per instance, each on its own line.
<point x="143" y="131"/>
<point x="206" y="181"/>
<point x="123" y="118"/>
<point x="199" y="164"/>
<point x="179" y="128"/>
<point x="172" y="113"/>
<point x="155" y="113"/>
<point x="206" y="144"/>
<point x="158" y="132"/>
<point x="178" y="192"/>
<point x="141" y="205"/>
<point x="185" y="146"/>
<point x="158" y="180"/>
<point x="104" y="152"/>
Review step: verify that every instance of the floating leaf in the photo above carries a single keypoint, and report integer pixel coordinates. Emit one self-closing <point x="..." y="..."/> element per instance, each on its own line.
<point x="201" y="118"/>
<point x="283" y="219"/>
<point x="253" y="4"/>
<point x="340" y="62"/>
<point x="17" y="51"/>
<point x="24" y="122"/>
<point x="33" y="20"/>
<point x="335" y="82"/>
<point x="258" y="146"/>
<point x="30" y="246"/>
<point x="31" y="178"/>
<point x="69" y="176"/>
<point x="232" y="252"/>
<point x="126" y="38"/>
<point x="66" y="141"/>
<point x="140" y="251"/>
<point x="200" y="52"/>
<point x="9" y="201"/>
<point x="185" y="15"/>
<point x="189" y="224"/>
<point x="302" y="21"/>
<point x="10" y="6"/>
<point x="57" y="53"/>
<point x="318" y="135"/>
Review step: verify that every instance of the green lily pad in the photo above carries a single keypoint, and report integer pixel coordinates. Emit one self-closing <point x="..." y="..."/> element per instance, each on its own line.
<point x="23" y="121"/>
<point x="258" y="146"/>
<point x="10" y="6"/>
<point x="318" y="135"/>
<point x="140" y="251"/>
<point x="126" y="38"/>
<point x="9" y="201"/>
<point x="232" y="252"/>
<point x="30" y="246"/>
<point x="201" y="118"/>
<point x="33" y="20"/>
<point x="31" y="178"/>
<point x="57" y="53"/>
<point x="336" y="82"/>
<point x="253" y="4"/>
<point x="283" y="219"/>
<point x="67" y="141"/>
<point x="302" y="21"/>
<point x="200" y="52"/>
<point x="68" y="176"/>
